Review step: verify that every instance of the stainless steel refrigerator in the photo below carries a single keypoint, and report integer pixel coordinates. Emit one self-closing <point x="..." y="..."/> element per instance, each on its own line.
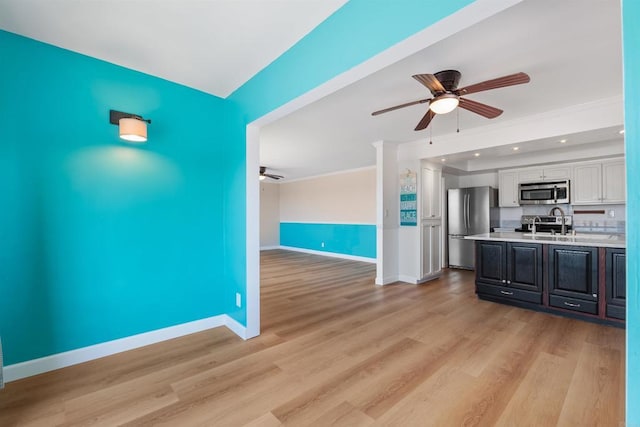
<point x="470" y="211"/>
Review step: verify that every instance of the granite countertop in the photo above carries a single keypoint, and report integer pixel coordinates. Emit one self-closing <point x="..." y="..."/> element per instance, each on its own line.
<point x="580" y="239"/>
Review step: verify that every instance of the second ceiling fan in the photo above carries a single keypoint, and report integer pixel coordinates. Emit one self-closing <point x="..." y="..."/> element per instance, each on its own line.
<point x="446" y="95"/>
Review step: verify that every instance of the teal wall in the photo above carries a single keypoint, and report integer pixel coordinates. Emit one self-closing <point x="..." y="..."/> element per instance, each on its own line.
<point x="100" y="239"/>
<point x="631" y="55"/>
<point x="353" y="34"/>
<point x="348" y="239"/>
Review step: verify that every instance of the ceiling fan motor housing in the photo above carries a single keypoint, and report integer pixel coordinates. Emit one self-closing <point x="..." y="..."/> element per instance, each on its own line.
<point x="449" y="79"/>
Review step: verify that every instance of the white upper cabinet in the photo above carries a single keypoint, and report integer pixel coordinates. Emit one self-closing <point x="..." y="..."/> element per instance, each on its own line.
<point x="592" y="183"/>
<point x="508" y="189"/>
<point x="597" y="183"/>
<point x="431" y="193"/>
<point x="587" y="184"/>
<point x="552" y="173"/>
<point x="613" y="181"/>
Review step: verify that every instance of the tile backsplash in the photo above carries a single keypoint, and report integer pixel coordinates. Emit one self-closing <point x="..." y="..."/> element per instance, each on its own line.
<point x="612" y="221"/>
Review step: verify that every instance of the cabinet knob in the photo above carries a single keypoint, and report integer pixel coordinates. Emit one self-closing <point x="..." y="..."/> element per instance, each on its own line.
<point x="504" y="281"/>
<point x="509" y="282"/>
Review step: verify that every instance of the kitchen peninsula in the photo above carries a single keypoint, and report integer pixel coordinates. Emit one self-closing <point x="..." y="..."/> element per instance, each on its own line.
<point x="576" y="275"/>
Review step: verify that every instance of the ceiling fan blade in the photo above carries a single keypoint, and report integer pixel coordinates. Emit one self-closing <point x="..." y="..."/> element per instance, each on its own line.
<point x="430" y="82"/>
<point x="272" y="176"/>
<point x="426" y="119"/>
<point x="510" y="80"/>
<point x="479" y="108"/>
<point x="386" y="110"/>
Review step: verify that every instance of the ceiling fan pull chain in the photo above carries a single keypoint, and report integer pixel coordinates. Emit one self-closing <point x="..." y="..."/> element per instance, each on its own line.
<point x="458" y="119"/>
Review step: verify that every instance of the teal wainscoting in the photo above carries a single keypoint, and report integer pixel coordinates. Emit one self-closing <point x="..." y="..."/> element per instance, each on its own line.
<point x="348" y="239"/>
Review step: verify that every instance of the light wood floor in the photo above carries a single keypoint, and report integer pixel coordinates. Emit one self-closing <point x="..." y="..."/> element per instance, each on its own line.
<point x="337" y="350"/>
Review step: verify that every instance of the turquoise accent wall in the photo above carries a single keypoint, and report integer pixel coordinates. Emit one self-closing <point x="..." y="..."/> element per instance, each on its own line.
<point x="353" y="34"/>
<point x="100" y="239"/>
<point x="348" y="239"/>
<point x="631" y="55"/>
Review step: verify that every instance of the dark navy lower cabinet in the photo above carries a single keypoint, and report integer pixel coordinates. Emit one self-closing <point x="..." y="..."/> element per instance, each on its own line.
<point x="579" y="281"/>
<point x="573" y="273"/>
<point x="509" y="271"/>
<point x="616" y="283"/>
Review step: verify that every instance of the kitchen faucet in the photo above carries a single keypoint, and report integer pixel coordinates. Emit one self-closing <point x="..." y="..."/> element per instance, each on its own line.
<point x="563" y="230"/>
<point x="533" y="227"/>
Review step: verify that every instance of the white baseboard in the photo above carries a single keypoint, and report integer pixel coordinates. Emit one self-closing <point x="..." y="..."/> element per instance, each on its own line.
<point x="269" y="248"/>
<point x="408" y="279"/>
<point x="385" y="280"/>
<point x="330" y="254"/>
<point x="85" y="354"/>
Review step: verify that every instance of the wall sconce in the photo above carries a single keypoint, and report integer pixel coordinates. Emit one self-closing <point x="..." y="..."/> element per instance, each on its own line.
<point x="132" y="127"/>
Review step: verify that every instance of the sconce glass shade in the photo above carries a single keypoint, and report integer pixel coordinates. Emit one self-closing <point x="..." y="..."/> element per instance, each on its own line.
<point x="444" y="103"/>
<point x="133" y="130"/>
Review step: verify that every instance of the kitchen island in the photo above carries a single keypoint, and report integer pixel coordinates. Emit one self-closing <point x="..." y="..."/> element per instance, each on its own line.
<point x="580" y="275"/>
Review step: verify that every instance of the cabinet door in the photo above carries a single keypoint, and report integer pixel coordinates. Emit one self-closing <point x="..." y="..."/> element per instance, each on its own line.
<point x="573" y="272"/>
<point x="557" y="173"/>
<point x="436" y="248"/>
<point x="616" y="283"/>
<point x="524" y="266"/>
<point x="586" y="184"/>
<point x="491" y="262"/>
<point x="431" y="249"/>
<point x="431" y="193"/>
<point x="508" y="189"/>
<point x="530" y="175"/>
<point x="613" y="182"/>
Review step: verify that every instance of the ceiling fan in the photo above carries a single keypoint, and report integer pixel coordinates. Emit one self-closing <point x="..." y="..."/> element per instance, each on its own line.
<point x="446" y="95"/>
<point x="264" y="174"/>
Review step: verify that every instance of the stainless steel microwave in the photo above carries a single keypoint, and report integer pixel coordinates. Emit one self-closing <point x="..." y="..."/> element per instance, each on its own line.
<point x="544" y="193"/>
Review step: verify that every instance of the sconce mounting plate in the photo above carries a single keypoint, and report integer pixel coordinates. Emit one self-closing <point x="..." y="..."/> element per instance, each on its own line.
<point x="115" y="116"/>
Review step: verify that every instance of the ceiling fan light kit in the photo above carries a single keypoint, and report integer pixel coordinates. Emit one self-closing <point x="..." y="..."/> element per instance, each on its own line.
<point x="444" y="103"/>
<point x="447" y="97"/>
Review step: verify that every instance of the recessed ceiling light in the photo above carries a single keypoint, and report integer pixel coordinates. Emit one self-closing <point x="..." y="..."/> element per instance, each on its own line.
<point x="476" y="154"/>
<point x="444" y="160"/>
<point x="621" y="132"/>
<point x="516" y="148"/>
<point x="562" y="141"/>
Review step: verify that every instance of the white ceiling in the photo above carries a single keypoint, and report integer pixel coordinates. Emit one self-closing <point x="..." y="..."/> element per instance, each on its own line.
<point x="211" y="45"/>
<point x="570" y="48"/>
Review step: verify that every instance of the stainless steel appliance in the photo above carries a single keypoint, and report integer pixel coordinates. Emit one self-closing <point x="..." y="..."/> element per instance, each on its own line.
<point x="544" y="193"/>
<point x="470" y="211"/>
<point x="546" y="223"/>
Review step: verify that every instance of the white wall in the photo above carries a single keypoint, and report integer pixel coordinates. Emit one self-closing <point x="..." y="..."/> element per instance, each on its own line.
<point x="343" y="198"/>
<point x="269" y="215"/>
<point x="479" y="180"/>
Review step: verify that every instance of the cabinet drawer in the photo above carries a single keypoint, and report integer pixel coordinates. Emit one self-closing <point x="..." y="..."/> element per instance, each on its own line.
<point x="509" y="293"/>
<point x="616" y="312"/>
<point x="573" y="304"/>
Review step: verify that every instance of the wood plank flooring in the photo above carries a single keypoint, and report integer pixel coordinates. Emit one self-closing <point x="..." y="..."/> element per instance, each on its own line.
<point x="337" y="350"/>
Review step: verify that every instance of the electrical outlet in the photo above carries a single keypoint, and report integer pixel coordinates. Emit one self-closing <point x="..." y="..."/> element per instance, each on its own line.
<point x="322" y="245"/>
<point x="612" y="213"/>
<point x="238" y="300"/>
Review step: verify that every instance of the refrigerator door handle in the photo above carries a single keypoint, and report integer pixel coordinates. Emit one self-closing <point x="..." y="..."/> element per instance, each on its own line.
<point x="467" y="202"/>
